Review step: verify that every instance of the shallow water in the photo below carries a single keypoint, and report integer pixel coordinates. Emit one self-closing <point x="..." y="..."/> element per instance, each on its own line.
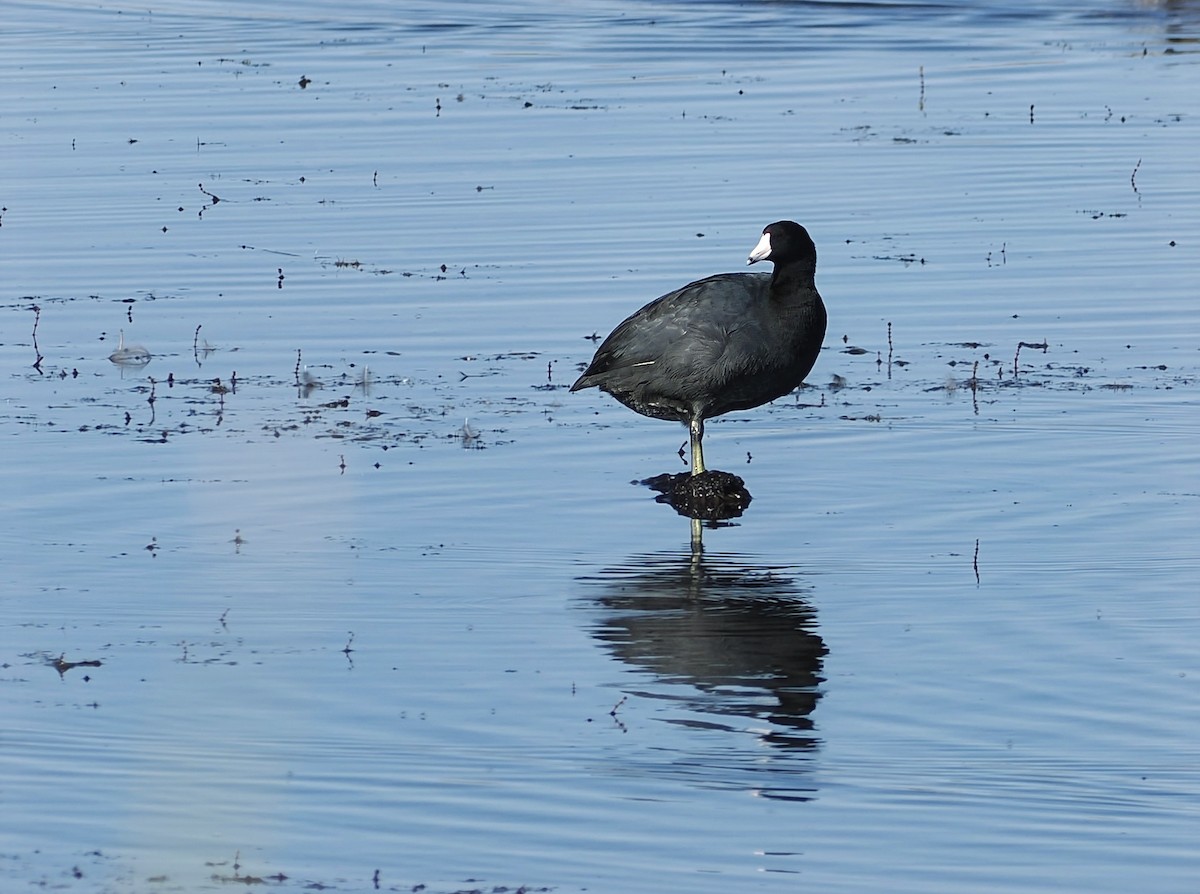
<point x="366" y="599"/>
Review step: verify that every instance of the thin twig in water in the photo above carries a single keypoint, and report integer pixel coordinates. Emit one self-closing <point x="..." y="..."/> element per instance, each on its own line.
<point x="37" y="316"/>
<point x="1037" y="346"/>
<point x="613" y="713"/>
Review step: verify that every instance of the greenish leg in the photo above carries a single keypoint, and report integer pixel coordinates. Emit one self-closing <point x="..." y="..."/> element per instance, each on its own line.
<point x="696" y="428"/>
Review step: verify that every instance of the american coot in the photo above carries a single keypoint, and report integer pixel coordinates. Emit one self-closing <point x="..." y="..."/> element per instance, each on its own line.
<point x="728" y="342"/>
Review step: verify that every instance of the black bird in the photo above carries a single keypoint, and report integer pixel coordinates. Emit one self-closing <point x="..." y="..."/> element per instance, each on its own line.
<point x="729" y="342"/>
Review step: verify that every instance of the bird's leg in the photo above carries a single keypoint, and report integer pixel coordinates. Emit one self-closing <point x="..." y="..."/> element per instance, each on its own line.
<point x="696" y="428"/>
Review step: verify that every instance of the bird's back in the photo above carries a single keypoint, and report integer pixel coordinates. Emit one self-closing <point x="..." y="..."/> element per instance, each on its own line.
<point x="713" y="346"/>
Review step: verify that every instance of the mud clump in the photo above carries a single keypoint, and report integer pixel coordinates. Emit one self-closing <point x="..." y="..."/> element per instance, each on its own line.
<point x="711" y="495"/>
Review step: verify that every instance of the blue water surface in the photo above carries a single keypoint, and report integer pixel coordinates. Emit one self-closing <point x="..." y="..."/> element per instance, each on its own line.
<point x="343" y="589"/>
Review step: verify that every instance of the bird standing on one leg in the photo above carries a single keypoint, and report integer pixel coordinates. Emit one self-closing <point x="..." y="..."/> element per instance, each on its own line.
<point x="733" y="341"/>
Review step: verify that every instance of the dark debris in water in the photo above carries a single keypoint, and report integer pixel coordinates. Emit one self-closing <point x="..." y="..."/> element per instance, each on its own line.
<point x="96" y="870"/>
<point x="880" y="376"/>
<point x="61" y="664"/>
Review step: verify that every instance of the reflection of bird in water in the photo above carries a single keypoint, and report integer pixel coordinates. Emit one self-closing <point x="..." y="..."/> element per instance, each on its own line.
<point x="129" y="355"/>
<point x="729" y="342"/>
<point x="742" y="637"/>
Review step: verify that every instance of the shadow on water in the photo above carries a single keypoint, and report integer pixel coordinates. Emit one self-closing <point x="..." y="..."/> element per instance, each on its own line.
<point x="731" y="642"/>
